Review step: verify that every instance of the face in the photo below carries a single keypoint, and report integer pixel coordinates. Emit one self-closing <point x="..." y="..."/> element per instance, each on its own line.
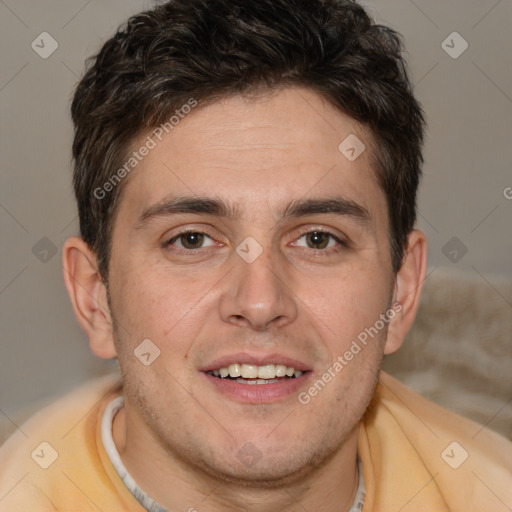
<point x="247" y="242"/>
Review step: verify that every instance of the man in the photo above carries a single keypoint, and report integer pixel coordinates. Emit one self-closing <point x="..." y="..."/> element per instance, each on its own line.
<point x="246" y="176"/>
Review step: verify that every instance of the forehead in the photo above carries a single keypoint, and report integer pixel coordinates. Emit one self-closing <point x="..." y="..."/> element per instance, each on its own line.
<point x="256" y="151"/>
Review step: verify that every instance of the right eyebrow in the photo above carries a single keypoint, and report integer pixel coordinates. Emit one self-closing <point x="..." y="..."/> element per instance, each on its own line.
<point x="186" y="204"/>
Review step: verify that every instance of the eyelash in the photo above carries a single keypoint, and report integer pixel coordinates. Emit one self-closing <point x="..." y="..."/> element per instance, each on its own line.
<point x="341" y="242"/>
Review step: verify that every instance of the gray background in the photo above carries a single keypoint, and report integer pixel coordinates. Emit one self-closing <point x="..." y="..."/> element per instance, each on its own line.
<point x="468" y="156"/>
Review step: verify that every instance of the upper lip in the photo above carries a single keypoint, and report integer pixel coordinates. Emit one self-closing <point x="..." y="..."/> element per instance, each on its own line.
<point x="254" y="359"/>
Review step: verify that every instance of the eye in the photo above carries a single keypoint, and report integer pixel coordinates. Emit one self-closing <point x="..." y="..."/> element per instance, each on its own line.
<point x="190" y="240"/>
<point x="318" y="240"/>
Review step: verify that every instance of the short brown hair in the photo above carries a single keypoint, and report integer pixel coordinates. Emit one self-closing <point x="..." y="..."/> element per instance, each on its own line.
<point x="209" y="49"/>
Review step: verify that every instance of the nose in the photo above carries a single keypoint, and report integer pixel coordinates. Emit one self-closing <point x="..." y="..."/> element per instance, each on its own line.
<point x="258" y="295"/>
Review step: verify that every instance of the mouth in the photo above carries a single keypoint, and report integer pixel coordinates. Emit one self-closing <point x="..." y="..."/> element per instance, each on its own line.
<point x="257" y="380"/>
<point x="251" y="374"/>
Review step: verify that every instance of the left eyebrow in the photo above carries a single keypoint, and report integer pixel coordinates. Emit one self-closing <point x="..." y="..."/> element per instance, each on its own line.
<point x="219" y="208"/>
<point x="336" y="205"/>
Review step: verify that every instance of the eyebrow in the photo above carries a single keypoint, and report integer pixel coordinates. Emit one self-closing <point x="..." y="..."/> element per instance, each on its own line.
<point x="220" y="208"/>
<point x="336" y="205"/>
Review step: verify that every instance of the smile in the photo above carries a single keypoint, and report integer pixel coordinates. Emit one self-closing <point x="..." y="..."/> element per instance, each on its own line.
<point x="253" y="374"/>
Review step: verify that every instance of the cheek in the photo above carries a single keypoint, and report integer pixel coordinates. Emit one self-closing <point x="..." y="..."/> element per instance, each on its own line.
<point x="348" y="302"/>
<point x="151" y="304"/>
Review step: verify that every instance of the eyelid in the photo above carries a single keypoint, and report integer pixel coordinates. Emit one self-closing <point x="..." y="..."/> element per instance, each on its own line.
<point x="186" y="231"/>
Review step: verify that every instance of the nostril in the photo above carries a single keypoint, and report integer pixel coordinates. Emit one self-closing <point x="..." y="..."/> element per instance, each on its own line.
<point x="238" y="320"/>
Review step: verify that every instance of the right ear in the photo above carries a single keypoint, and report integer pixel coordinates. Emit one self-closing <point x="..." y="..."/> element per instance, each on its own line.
<point x="88" y="295"/>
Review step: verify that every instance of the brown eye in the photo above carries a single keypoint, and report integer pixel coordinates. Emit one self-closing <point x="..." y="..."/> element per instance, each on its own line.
<point x="318" y="239"/>
<point x="190" y="240"/>
<point x="320" y="243"/>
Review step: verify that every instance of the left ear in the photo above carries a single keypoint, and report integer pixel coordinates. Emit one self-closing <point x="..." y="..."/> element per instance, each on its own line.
<point x="408" y="286"/>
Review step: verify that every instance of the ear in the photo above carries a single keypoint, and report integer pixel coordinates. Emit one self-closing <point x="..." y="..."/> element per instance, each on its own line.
<point x="88" y="296"/>
<point x="408" y="286"/>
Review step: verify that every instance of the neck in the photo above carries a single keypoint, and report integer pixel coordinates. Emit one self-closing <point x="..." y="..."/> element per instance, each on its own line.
<point x="177" y="485"/>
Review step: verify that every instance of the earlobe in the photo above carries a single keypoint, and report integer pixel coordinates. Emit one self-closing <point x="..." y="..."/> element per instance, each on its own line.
<point x="88" y="296"/>
<point x="408" y="288"/>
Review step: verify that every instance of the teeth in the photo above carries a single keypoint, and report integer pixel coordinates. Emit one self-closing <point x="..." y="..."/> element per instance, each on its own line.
<point x="265" y="374"/>
<point x="234" y="370"/>
<point x="280" y="370"/>
<point x="249" y="371"/>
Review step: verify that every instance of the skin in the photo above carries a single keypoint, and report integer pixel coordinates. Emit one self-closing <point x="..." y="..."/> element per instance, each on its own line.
<point x="177" y="434"/>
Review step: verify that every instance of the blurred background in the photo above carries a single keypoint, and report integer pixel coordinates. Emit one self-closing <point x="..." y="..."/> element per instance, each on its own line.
<point x="459" y="57"/>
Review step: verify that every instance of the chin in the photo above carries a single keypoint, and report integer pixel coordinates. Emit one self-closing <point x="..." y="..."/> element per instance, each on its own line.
<point x="276" y="465"/>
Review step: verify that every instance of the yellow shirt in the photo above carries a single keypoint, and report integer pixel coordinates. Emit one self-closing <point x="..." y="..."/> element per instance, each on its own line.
<point x="416" y="457"/>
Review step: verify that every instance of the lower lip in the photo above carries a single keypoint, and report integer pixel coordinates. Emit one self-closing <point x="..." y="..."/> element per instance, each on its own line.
<point x="258" y="393"/>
